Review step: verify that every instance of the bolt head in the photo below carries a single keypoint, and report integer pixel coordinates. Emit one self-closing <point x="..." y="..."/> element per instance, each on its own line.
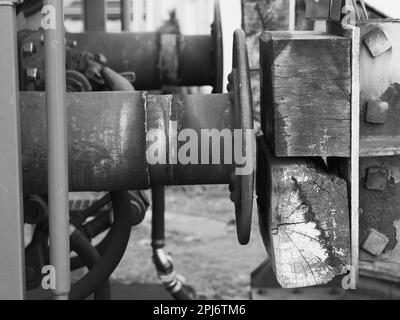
<point x="377" y="42"/>
<point x="377" y="112"/>
<point x="29" y="48"/>
<point x="377" y="179"/>
<point x="32" y="73"/>
<point x="375" y="243"/>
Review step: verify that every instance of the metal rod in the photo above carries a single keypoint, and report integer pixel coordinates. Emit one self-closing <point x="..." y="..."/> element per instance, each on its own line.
<point x="53" y="13"/>
<point x="364" y="8"/>
<point x="12" y="275"/>
<point x="354" y="34"/>
<point x="292" y="15"/>
<point x="355" y="5"/>
<point x="95" y="15"/>
<point x="126" y="15"/>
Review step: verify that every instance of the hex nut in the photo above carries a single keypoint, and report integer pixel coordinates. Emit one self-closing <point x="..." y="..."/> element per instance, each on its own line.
<point x="375" y="243"/>
<point x="377" y="178"/>
<point x="377" y="42"/>
<point x="377" y="112"/>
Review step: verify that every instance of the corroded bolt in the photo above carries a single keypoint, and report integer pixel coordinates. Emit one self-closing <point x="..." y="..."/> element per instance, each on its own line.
<point x="375" y="243"/>
<point x="377" y="178"/>
<point x="32" y="73"/>
<point x="377" y="112"/>
<point x="29" y="48"/>
<point x="377" y="42"/>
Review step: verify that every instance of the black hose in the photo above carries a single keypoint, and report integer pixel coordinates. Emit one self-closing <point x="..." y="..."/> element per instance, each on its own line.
<point x="83" y="248"/>
<point x="158" y="221"/>
<point x="162" y="262"/>
<point x="119" y="237"/>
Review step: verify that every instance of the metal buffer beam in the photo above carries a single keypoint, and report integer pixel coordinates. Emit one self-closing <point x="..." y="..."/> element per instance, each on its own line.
<point x="107" y="139"/>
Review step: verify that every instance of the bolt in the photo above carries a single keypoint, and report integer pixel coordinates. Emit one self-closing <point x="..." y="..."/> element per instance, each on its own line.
<point x="377" y="42"/>
<point x="377" y="112"/>
<point x="71" y="43"/>
<point x="29" y="48"/>
<point x="32" y="73"/>
<point x="377" y="178"/>
<point x="375" y="243"/>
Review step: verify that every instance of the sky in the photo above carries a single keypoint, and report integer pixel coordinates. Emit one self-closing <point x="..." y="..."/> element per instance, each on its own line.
<point x="390" y="7"/>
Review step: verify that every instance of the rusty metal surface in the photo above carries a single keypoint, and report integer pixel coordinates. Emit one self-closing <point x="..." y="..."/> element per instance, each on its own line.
<point x="380" y="82"/>
<point x="138" y="52"/>
<point x="195" y="112"/>
<point x="107" y="139"/>
<point x="141" y="53"/>
<point x="380" y="208"/>
<point x="106" y="142"/>
<point x="196" y="67"/>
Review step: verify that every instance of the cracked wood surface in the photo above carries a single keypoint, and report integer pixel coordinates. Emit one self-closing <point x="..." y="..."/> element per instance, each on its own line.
<point x="304" y="220"/>
<point x="266" y="15"/>
<point x="305" y="93"/>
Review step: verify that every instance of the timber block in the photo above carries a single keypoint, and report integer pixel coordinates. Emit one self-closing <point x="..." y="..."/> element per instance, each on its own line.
<point x="375" y="243"/>
<point x="305" y="93"/>
<point x="304" y="219"/>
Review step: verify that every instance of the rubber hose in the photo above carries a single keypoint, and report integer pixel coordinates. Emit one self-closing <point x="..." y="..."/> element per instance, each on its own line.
<point x="119" y="237"/>
<point x="82" y="247"/>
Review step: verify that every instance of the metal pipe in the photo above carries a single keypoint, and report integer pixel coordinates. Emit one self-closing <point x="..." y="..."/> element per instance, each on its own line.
<point x="126" y="15"/>
<point x="53" y="20"/>
<point x="142" y="53"/>
<point x="107" y="139"/>
<point x="12" y="275"/>
<point x="95" y="15"/>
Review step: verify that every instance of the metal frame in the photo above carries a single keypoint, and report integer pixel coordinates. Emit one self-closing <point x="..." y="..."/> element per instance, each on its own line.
<point x="12" y="260"/>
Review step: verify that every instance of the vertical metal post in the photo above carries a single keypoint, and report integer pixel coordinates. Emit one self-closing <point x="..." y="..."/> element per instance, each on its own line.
<point x="158" y="218"/>
<point x="12" y="264"/>
<point x="355" y="151"/>
<point x="126" y="15"/>
<point x="292" y="15"/>
<point x="95" y="15"/>
<point x="54" y="43"/>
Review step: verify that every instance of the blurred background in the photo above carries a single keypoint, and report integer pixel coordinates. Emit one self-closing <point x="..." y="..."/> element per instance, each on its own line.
<point x="194" y="17"/>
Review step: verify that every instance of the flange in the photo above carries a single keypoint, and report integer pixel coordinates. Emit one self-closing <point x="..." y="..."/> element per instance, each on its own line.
<point x="243" y="113"/>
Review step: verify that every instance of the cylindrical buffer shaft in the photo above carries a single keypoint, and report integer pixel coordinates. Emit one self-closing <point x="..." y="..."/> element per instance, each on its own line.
<point x="114" y="138"/>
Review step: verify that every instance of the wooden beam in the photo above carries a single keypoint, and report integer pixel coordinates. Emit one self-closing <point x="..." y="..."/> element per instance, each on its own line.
<point x="304" y="219"/>
<point x="305" y="93"/>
